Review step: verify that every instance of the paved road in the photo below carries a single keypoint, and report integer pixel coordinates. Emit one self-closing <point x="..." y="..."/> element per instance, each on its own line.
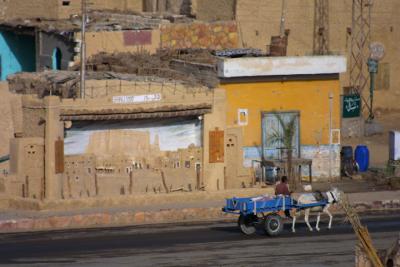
<point x="207" y="244"/>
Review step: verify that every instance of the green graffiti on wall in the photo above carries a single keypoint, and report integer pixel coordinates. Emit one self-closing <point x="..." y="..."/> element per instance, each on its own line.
<point x="351" y="106"/>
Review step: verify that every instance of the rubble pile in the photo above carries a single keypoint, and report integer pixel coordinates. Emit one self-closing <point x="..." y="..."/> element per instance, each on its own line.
<point x="62" y="83"/>
<point x="159" y="64"/>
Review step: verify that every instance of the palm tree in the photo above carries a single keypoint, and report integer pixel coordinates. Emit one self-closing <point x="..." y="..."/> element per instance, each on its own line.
<point x="285" y="138"/>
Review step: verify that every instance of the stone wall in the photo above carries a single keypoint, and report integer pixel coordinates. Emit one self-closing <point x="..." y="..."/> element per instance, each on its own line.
<point x="6" y="123"/>
<point x="33" y="117"/>
<point x="259" y="20"/>
<point x="117" y="5"/>
<point x="177" y="7"/>
<point x="10" y="124"/>
<point x="4" y="9"/>
<point x="61" y="9"/>
<point x="49" y="9"/>
<point x="122" y="41"/>
<point x="352" y="127"/>
<point x="324" y="158"/>
<point x="88" y="176"/>
<point x="220" y="35"/>
<point x="27" y="177"/>
<point x="211" y="10"/>
<point x="48" y="43"/>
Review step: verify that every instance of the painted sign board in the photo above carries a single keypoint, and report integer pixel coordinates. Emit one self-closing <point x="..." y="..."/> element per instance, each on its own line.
<point x="351" y="106"/>
<point x="129" y="99"/>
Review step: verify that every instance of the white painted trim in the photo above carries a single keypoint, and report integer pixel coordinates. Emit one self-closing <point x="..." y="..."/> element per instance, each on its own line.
<point x="274" y="66"/>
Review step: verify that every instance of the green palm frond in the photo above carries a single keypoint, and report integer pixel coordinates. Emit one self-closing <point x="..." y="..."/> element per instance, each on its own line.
<point x="288" y="131"/>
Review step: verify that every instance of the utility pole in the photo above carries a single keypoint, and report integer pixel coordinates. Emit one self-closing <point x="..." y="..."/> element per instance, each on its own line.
<point x="330" y="133"/>
<point x="283" y="19"/>
<point x="321" y="27"/>
<point x="83" y="48"/>
<point x="360" y="41"/>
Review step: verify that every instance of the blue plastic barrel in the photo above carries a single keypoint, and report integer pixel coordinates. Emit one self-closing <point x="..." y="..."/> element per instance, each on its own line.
<point x="347" y="152"/>
<point x="361" y="155"/>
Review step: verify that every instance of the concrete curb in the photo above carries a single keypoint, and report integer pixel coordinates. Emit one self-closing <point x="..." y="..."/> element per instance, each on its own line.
<point x="112" y="220"/>
<point x="138" y="200"/>
<point x="127" y="218"/>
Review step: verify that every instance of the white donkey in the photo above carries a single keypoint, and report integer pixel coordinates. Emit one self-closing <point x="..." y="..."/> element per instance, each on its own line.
<point x="332" y="197"/>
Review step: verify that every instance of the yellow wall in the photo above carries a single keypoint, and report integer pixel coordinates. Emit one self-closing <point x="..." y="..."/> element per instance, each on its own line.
<point x="311" y="98"/>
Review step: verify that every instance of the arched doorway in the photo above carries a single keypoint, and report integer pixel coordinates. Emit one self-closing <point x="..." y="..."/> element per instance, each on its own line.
<point x="57" y="56"/>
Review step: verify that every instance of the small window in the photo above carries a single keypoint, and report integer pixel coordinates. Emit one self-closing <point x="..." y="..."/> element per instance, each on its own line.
<point x="66" y="3"/>
<point x="187" y="164"/>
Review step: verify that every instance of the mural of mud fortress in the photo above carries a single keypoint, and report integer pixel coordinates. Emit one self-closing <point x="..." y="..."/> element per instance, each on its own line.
<point x="132" y="138"/>
<point x="123" y="162"/>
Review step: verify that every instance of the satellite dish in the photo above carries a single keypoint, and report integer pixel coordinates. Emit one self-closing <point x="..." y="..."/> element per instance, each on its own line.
<point x="377" y="51"/>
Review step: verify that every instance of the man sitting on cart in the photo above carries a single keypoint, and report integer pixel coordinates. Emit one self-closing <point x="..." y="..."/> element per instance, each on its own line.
<point x="283" y="189"/>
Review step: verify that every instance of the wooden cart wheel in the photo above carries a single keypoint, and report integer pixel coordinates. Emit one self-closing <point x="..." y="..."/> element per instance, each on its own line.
<point x="273" y="225"/>
<point x="246" y="224"/>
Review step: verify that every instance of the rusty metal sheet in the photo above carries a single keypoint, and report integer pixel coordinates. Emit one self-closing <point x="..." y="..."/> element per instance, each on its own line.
<point x="216" y="146"/>
<point x="59" y="156"/>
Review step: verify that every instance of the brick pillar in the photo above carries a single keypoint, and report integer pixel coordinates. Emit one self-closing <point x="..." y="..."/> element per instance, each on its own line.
<point x="213" y="173"/>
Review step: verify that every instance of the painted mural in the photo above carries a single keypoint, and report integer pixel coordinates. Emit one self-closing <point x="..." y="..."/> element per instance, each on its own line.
<point x="170" y="135"/>
<point x="134" y="156"/>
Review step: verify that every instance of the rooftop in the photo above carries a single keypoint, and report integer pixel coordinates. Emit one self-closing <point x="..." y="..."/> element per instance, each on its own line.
<point x="98" y="21"/>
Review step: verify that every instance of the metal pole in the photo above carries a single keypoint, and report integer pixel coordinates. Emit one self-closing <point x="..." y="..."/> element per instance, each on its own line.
<point x="283" y="18"/>
<point x="330" y="133"/>
<point x="373" y="69"/>
<point x="371" y="95"/>
<point x="83" y="48"/>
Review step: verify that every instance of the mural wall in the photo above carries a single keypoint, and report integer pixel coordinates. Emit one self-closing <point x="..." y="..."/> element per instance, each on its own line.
<point x="140" y="156"/>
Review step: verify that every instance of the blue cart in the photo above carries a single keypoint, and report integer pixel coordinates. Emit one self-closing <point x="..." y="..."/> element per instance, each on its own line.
<point x="264" y="210"/>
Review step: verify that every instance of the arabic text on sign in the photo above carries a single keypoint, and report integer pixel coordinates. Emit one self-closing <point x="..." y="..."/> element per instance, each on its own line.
<point x="136" y="98"/>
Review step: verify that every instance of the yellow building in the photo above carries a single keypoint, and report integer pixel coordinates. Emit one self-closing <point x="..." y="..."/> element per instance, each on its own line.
<point x="306" y="89"/>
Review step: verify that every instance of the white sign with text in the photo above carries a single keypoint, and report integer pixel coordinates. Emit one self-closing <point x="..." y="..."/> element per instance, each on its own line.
<point x="127" y="99"/>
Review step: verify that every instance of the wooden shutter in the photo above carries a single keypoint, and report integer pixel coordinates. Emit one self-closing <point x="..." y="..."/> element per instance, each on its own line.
<point x="59" y="156"/>
<point x="216" y="146"/>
